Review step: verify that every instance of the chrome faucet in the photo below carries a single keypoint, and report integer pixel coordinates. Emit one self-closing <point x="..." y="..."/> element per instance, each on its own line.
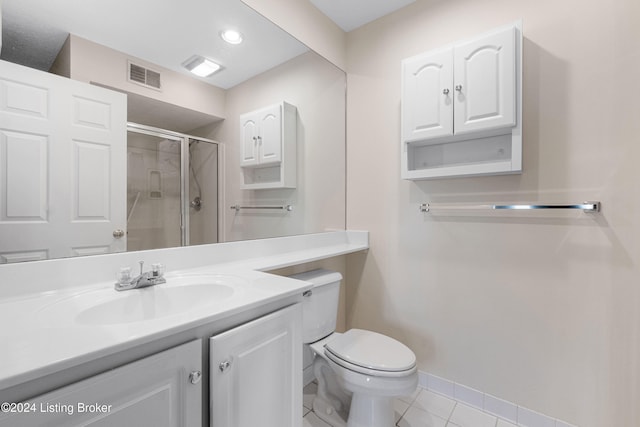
<point x="142" y="280"/>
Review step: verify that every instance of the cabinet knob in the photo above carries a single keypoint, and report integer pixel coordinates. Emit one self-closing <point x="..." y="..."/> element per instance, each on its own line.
<point x="459" y="88"/>
<point x="445" y="91"/>
<point x="118" y="233"/>
<point x="224" y="365"/>
<point x="195" y="377"/>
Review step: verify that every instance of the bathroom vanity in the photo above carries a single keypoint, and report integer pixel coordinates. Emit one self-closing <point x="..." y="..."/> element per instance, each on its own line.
<point x="216" y="339"/>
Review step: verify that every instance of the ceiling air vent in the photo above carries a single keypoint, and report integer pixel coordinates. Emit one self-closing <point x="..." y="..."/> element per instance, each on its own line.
<point x="144" y="76"/>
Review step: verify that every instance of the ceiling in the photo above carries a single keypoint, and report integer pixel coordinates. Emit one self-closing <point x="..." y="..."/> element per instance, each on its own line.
<point x="163" y="32"/>
<point x="168" y="32"/>
<point x="351" y="14"/>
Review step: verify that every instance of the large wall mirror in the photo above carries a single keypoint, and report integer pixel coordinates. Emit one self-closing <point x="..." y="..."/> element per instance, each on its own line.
<point x="179" y="175"/>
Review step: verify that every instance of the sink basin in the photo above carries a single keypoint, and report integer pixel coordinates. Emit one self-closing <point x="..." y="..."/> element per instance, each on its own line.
<point x="179" y="295"/>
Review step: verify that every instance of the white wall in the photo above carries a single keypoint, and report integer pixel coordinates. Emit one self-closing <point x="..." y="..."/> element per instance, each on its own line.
<point x="541" y="309"/>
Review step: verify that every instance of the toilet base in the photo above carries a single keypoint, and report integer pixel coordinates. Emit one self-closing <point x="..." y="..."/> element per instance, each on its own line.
<point x="370" y="411"/>
<point x="340" y="407"/>
<point x="331" y="403"/>
<point x="365" y="411"/>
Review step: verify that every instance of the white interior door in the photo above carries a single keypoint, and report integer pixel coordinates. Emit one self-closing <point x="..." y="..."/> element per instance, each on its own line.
<point x="63" y="162"/>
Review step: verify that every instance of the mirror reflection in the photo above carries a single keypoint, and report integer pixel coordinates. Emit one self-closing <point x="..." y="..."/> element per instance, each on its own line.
<point x="266" y="130"/>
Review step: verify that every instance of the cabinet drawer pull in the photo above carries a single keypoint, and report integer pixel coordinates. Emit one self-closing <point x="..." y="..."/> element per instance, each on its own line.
<point x="195" y="377"/>
<point x="445" y="91"/>
<point x="224" y="365"/>
<point x="459" y="88"/>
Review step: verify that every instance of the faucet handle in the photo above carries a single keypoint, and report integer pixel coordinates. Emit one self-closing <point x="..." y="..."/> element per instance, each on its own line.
<point x="157" y="270"/>
<point x="124" y="275"/>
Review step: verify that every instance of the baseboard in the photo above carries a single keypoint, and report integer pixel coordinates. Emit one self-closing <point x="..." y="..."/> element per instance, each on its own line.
<point x="500" y="408"/>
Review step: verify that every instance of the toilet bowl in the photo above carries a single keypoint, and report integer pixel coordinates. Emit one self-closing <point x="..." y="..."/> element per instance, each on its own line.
<point x="370" y="369"/>
<point x="359" y="372"/>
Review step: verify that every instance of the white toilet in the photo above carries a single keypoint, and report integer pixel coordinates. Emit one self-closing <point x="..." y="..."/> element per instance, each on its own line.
<point x="359" y="372"/>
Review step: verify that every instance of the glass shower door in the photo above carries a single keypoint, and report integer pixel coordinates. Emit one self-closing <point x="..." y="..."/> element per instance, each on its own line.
<point x="154" y="203"/>
<point x="203" y="192"/>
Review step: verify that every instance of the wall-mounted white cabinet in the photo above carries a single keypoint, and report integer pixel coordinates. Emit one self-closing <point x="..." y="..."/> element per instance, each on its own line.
<point x="256" y="372"/>
<point x="268" y="139"/>
<point x="461" y="108"/>
<point x="160" y="390"/>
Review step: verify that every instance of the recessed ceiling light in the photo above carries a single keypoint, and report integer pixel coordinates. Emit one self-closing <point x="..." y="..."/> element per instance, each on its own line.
<point x="231" y="36"/>
<point x="201" y="66"/>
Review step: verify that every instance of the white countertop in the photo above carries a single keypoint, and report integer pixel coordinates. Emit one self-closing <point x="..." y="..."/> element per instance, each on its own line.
<point x="37" y="338"/>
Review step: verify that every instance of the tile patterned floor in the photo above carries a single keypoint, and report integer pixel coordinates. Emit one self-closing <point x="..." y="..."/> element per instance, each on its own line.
<point x="423" y="409"/>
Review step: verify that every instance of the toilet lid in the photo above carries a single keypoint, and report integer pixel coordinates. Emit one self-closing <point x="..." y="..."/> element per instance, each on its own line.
<point x="372" y="351"/>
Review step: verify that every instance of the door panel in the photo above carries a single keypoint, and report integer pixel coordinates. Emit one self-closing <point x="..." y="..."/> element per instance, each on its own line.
<point x="249" y="135"/>
<point x="270" y="135"/>
<point x="24" y="190"/>
<point x="155" y="391"/>
<point x="485" y="74"/>
<point x="92" y="179"/>
<point x="427" y="96"/>
<point x="258" y="365"/>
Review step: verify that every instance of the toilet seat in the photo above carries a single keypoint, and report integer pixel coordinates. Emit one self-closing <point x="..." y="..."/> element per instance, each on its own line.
<point x="371" y="354"/>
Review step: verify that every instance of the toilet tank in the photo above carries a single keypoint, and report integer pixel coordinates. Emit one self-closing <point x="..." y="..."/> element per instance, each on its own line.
<point x="320" y="309"/>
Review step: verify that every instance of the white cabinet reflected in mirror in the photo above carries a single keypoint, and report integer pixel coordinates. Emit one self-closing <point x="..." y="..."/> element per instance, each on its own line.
<point x="174" y="188"/>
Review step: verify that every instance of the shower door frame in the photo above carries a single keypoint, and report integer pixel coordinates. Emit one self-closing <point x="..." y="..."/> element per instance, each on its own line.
<point x="184" y="173"/>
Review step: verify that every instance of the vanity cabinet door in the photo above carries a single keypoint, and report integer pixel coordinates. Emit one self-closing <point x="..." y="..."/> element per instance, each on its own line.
<point x="256" y="372"/>
<point x="485" y="82"/>
<point x="161" y="390"/>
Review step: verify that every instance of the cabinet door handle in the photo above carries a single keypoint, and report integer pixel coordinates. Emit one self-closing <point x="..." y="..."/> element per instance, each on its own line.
<point x="445" y="91"/>
<point x="260" y="140"/>
<point x="459" y="88"/>
<point x="224" y="365"/>
<point x="195" y="377"/>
